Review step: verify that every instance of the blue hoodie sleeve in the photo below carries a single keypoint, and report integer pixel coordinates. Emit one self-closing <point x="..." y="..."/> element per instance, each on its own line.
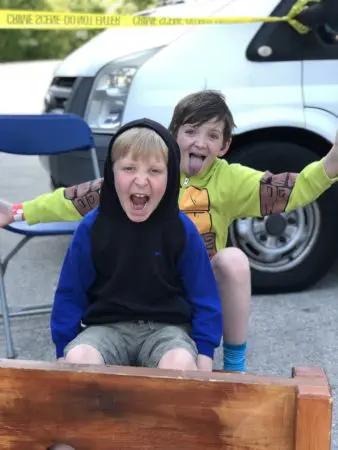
<point x="201" y="289"/>
<point x="77" y="275"/>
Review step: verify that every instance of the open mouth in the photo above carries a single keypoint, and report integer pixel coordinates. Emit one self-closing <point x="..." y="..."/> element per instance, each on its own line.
<point x="196" y="161"/>
<point x="197" y="155"/>
<point x="139" y="201"/>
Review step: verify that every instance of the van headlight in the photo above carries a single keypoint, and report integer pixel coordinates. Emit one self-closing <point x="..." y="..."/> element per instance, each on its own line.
<point x="109" y="93"/>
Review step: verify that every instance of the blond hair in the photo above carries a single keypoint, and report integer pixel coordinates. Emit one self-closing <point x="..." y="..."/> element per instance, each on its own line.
<point x="140" y="142"/>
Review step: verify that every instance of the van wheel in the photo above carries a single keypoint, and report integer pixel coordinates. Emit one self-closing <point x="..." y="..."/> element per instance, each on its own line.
<point x="288" y="252"/>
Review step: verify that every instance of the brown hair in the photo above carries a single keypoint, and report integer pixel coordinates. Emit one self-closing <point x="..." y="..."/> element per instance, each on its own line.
<point x="139" y="142"/>
<point x="200" y="107"/>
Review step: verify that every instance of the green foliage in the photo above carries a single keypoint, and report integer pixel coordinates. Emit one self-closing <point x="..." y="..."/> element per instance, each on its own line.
<point x="132" y="6"/>
<point x="25" y="44"/>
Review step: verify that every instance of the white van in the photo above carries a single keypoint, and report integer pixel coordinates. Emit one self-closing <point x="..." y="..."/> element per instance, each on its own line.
<point x="282" y="87"/>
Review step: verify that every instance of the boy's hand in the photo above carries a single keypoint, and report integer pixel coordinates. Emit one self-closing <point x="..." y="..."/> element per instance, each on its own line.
<point x="204" y="363"/>
<point x="331" y="160"/>
<point x="6" y="216"/>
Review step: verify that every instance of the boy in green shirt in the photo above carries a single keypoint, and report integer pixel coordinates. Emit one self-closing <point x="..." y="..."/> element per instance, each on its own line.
<point x="213" y="194"/>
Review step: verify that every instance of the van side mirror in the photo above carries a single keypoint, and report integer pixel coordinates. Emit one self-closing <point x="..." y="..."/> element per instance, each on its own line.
<point x="323" y="13"/>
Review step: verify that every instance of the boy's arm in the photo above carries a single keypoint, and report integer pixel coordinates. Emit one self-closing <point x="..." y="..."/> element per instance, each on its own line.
<point x="6" y="214"/>
<point x="201" y="289"/>
<point x="70" y="301"/>
<point x="257" y="194"/>
<point x="64" y="204"/>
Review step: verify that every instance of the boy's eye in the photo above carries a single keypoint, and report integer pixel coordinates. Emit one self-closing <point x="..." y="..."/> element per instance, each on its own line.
<point x="214" y="136"/>
<point x="156" y="171"/>
<point x="190" y="131"/>
<point x="127" y="168"/>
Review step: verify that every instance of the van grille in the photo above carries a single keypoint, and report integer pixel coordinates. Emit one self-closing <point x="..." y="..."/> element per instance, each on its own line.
<point x="58" y="93"/>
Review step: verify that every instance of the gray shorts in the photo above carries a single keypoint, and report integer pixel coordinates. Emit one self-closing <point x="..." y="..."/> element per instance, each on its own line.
<point x="135" y="343"/>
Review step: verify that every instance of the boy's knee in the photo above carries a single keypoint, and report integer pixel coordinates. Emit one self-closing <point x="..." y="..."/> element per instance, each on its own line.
<point x="178" y="359"/>
<point x="231" y="263"/>
<point x="84" y="354"/>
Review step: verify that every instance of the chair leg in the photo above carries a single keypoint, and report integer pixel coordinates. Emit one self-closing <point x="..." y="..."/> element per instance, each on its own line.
<point x="23" y="310"/>
<point x="4" y="311"/>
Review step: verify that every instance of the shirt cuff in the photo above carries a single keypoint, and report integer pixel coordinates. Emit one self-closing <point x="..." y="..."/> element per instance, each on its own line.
<point x="60" y="347"/>
<point x="205" y="348"/>
<point x="31" y="212"/>
<point x="329" y="180"/>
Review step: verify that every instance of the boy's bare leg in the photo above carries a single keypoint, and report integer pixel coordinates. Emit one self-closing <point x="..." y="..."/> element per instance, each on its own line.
<point x="232" y="271"/>
<point x="178" y="359"/>
<point x="84" y="354"/>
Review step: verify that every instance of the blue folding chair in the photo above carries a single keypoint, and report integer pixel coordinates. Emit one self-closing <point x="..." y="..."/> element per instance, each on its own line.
<point x="41" y="134"/>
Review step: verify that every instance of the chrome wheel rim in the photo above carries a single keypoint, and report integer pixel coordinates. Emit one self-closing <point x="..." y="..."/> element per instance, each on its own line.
<point x="278" y="243"/>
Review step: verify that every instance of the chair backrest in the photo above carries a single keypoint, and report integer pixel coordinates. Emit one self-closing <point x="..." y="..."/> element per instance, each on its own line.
<point x="44" y="134"/>
<point x="106" y="408"/>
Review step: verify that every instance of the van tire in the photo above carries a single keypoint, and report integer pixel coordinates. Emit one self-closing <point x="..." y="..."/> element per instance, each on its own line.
<point x="278" y="157"/>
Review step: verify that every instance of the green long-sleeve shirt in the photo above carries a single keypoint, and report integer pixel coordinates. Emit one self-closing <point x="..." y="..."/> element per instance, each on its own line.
<point x="213" y="200"/>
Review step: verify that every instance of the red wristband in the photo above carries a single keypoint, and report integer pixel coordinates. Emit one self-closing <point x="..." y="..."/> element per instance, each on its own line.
<point x="17" y="212"/>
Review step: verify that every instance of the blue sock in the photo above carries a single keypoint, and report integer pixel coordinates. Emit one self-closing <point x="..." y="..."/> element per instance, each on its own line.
<point x="234" y="357"/>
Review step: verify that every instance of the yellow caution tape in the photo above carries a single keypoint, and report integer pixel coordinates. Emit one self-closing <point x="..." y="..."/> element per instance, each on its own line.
<point x="298" y="7"/>
<point x="43" y="20"/>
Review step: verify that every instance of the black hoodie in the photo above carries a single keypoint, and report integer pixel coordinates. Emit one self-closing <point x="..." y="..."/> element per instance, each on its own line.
<point x="136" y="261"/>
<point x="155" y="270"/>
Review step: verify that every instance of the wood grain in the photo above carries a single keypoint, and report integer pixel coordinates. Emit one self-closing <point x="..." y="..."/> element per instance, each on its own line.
<point x="108" y="408"/>
<point x="314" y="410"/>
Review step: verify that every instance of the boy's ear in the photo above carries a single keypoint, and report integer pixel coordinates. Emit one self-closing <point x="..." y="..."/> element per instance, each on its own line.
<point x="224" y="150"/>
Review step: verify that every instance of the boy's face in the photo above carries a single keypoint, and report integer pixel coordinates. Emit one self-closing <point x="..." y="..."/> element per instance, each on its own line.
<point x="140" y="185"/>
<point x="201" y="145"/>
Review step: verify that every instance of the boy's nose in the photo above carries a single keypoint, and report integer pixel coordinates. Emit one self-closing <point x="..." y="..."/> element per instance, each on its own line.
<point x="141" y="180"/>
<point x="200" y="142"/>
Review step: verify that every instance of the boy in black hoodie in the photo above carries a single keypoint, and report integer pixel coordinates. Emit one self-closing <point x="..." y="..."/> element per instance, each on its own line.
<point x="137" y="286"/>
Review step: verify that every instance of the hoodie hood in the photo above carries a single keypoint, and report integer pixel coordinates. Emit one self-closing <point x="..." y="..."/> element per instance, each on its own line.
<point x="110" y="204"/>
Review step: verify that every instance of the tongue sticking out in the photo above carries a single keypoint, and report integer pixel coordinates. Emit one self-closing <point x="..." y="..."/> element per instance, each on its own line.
<point x="195" y="164"/>
<point x="139" y="202"/>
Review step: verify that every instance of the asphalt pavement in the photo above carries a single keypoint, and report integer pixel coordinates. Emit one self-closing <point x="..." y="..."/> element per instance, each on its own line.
<point x="285" y="330"/>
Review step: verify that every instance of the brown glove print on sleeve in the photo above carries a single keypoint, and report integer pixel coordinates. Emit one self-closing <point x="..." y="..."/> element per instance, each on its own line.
<point x="86" y="196"/>
<point x="275" y="191"/>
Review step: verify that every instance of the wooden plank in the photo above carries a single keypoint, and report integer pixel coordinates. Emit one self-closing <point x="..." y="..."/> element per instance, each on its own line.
<point x="101" y="408"/>
<point x="135" y="409"/>
<point x="314" y="410"/>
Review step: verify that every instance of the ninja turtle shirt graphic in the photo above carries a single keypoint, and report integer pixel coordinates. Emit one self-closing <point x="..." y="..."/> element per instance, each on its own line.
<point x="195" y="203"/>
